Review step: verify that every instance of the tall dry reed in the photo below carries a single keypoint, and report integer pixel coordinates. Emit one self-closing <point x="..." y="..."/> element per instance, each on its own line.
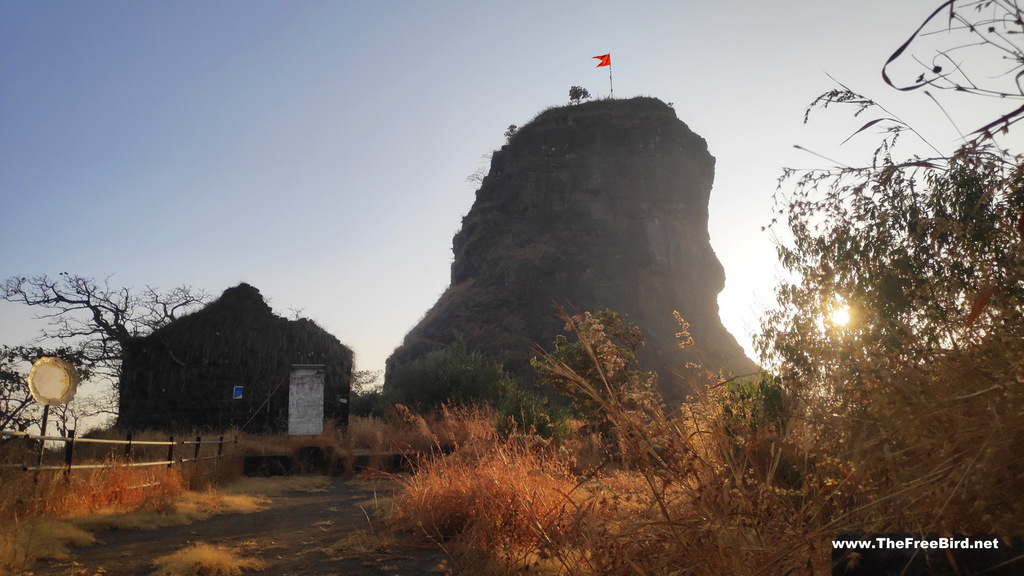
<point x="741" y="480"/>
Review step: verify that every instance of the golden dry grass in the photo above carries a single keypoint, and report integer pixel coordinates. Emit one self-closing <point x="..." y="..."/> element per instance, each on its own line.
<point x="38" y="519"/>
<point x="510" y="509"/>
<point x="41" y="539"/>
<point x="404" y="430"/>
<point x="718" y="488"/>
<point x="205" y="560"/>
<point x="366" y="433"/>
<point x="185" y="509"/>
<point x="493" y="502"/>
<point x="44" y="519"/>
<point x="36" y="537"/>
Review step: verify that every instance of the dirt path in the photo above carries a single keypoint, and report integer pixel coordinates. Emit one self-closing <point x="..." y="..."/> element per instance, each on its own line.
<point x="291" y="537"/>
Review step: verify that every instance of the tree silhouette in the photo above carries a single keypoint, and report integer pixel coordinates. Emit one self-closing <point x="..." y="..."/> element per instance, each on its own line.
<point x="577" y="94"/>
<point x="95" y="317"/>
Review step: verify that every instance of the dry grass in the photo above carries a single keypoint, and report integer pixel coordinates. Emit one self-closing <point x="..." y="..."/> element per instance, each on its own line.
<point x="491" y="501"/>
<point x="48" y="530"/>
<point x="41" y="539"/>
<point x="404" y="430"/>
<point x="366" y="433"/>
<point x="205" y="560"/>
<point x="39" y="521"/>
<point x="511" y="510"/>
<point x="717" y="488"/>
<point x="43" y="519"/>
<point x="361" y="543"/>
<point x="185" y="509"/>
<point x="463" y="427"/>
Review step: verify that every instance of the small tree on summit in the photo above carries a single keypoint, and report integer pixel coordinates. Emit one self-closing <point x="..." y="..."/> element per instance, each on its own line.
<point x="577" y="94"/>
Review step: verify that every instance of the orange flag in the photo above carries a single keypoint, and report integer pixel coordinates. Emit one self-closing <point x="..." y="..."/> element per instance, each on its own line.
<point x="606" y="60"/>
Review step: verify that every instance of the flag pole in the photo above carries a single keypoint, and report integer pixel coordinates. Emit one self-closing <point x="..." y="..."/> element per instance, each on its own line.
<point x="606" y="60"/>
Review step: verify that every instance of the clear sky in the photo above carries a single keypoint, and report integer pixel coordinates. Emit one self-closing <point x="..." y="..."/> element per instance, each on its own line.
<point x="319" y="150"/>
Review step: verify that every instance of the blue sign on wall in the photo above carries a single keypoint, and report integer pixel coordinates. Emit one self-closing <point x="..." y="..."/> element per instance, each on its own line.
<point x="237" y="393"/>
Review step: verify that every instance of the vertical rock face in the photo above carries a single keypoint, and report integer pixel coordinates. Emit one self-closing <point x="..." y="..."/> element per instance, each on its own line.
<point x="593" y="206"/>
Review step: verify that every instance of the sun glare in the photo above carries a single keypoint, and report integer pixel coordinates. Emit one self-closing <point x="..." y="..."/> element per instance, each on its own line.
<point x="841" y="316"/>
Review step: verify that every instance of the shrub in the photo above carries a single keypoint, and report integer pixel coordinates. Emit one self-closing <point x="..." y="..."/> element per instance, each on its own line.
<point x="368" y="404"/>
<point x="366" y="397"/>
<point x="449" y="375"/>
<point x="525" y="412"/>
<point x="607" y="364"/>
<point x="914" y="394"/>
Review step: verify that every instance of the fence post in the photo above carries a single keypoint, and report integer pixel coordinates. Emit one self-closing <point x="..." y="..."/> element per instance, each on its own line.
<point x="69" y="449"/>
<point x="220" y="452"/>
<point x="170" y="452"/>
<point x="195" y="456"/>
<point x="128" y="447"/>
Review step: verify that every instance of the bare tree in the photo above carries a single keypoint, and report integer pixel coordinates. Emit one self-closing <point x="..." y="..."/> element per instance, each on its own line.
<point x="96" y="318"/>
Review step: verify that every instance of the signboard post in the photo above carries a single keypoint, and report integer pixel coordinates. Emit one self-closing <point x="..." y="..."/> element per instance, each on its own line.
<point x="306" y="400"/>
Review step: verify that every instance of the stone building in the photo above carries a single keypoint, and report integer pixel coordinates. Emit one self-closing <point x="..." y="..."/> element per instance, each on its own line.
<point x="226" y="365"/>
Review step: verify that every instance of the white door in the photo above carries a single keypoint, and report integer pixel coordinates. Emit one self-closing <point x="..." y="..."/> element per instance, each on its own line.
<point x="306" y="400"/>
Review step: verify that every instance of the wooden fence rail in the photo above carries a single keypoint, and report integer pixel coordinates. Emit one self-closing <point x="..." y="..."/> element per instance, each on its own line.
<point x="70" y="441"/>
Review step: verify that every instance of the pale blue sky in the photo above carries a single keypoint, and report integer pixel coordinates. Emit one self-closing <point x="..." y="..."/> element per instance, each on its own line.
<point x="320" y="150"/>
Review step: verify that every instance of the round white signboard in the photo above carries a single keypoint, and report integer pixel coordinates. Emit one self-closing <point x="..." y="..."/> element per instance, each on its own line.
<point x="53" y="381"/>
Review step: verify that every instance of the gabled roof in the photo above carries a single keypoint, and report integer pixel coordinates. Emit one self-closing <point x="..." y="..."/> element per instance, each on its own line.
<point x="240" y="323"/>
